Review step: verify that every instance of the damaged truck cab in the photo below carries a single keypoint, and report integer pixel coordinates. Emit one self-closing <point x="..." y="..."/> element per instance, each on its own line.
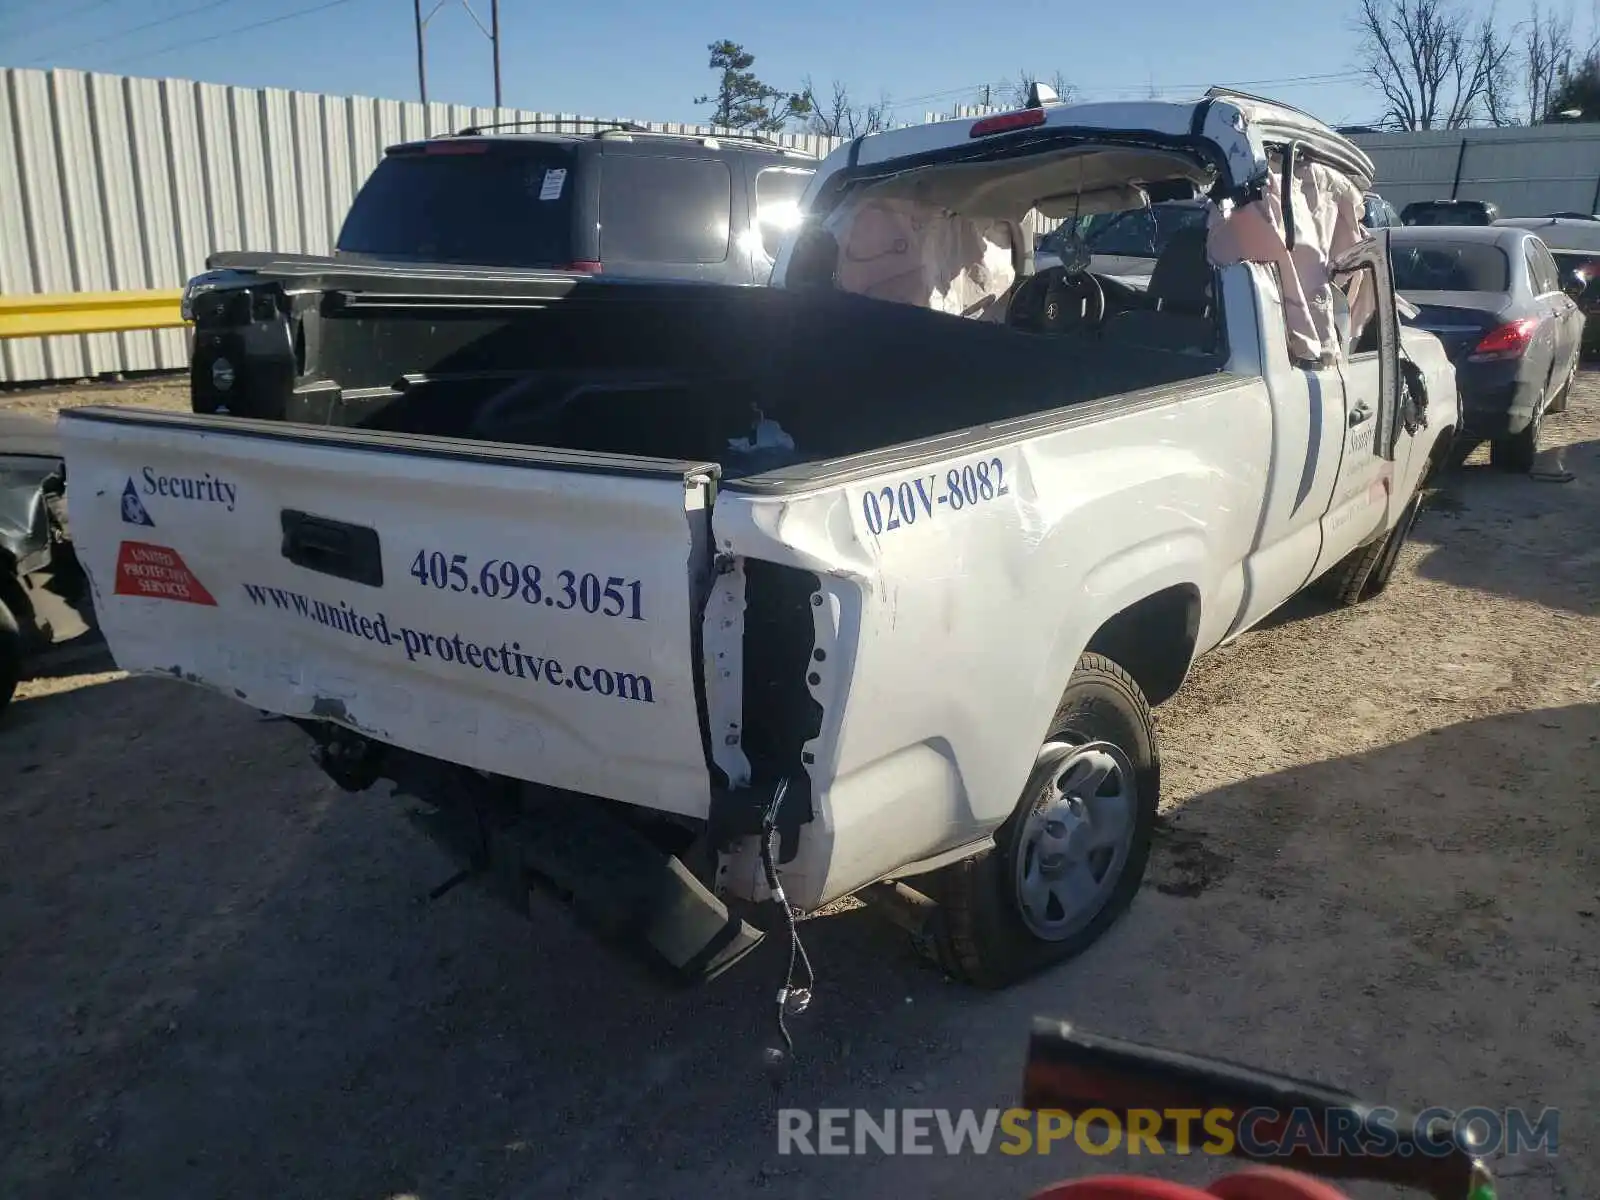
<point x="677" y="600"/>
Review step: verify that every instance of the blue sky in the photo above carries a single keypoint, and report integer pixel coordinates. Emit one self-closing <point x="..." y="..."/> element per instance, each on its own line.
<point x="648" y="60"/>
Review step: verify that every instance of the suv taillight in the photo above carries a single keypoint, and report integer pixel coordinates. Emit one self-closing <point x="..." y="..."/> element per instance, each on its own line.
<point x="1025" y="118"/>
<point x="587" y="266"/>
<point x="1509" y="341"/>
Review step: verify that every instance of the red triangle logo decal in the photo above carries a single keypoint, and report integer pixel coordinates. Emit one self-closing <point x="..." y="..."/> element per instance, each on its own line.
<point x="159" y="574"/>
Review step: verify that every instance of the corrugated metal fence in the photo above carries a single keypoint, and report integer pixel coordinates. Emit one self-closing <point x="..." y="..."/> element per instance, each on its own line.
<point x="112" y="183"/>
<point x="116" y="183"/>
<point x="1528" y="172"/>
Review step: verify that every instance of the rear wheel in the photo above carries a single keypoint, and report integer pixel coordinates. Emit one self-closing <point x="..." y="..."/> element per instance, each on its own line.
<point x="1069" y="859"/>
<point x="1515" y="454"/>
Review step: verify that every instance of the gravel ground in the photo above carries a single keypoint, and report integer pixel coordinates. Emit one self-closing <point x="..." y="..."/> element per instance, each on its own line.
<point x="223" y="976"/>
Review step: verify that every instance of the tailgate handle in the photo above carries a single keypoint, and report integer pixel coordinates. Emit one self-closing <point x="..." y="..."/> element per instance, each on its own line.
<point x="332" y="547"/>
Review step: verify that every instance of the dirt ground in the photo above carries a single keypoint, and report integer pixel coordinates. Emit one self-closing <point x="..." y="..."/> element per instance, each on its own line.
<point x="223" y="977"/>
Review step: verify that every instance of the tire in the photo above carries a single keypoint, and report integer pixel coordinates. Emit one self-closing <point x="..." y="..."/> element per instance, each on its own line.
<point x="1383" y="570"/>
<point x="1366" y="570"/>
<point x="1515" y="454"/>
<point x="1346" y="582"/>
<point x="992" y="934"/>
<point x="10" y="655"/>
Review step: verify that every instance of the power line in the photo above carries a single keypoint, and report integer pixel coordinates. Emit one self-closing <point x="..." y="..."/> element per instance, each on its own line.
<point x="216" y="37"/>
<point x="63" y="17"/>
<point x="111" y="37"/>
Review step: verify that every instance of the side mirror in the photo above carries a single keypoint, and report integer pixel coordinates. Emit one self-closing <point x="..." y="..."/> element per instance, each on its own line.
<point x="1576" y="286"/>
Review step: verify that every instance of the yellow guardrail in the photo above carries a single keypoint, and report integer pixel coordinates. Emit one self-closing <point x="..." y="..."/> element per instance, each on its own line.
<point x="88" y="312"/>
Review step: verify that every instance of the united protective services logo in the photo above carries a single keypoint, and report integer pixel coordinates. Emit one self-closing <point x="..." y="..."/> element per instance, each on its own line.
<point x="133" y="512"/>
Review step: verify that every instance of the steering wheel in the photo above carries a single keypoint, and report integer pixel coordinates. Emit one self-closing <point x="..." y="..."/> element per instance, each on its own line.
<point x="1072" y="304"/>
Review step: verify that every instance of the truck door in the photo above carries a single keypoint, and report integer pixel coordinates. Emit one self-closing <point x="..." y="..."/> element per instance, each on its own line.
<point x="1375" y="449"/>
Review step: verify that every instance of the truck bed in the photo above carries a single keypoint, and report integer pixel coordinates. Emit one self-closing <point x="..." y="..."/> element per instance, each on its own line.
<point x="659" y="370"/>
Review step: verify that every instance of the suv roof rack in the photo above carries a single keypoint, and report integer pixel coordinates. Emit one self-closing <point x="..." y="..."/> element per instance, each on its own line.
<point x="601" y="129"/>
<point x="474" y="130"/>
<point x="757" y="139"/>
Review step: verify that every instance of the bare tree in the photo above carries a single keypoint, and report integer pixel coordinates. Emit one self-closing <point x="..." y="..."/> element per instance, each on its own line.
<point x="1547" y="54"/>
<point x="1026" y="79"/>
<point x="839" y="116"/>
<point x="1434" y="66"/>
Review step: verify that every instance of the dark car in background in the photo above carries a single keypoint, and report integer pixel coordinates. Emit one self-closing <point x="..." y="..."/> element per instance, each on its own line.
<point x="1124" y="244"/>
<point x="1378" y="213"/>
<point x="1449" y="212"/>
<point x="623" y="202"/>
<point x="40" y="579"/>
<point x="1493" y="297"/>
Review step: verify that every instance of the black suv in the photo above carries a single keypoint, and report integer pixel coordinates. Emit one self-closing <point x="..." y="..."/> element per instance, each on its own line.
<point x="1449" y="212"/>
<point x="620" y="201"/>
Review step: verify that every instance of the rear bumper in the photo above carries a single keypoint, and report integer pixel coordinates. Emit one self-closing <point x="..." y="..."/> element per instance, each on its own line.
<point x="1497" y="399"/>
<point x="515" y="839"/>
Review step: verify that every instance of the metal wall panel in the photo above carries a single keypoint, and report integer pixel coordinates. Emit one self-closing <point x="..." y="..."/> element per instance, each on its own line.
<point x="1527" y="172"/>
<point x="111" y="182"/>
<point x="117" y="183"/>
<point x="125" y="235"/>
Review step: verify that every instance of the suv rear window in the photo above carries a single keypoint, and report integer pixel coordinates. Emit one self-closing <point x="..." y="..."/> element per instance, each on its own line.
<point x="501" y="207"/>
<point x="657" y="209"/>
<point x="1424" y="213"/>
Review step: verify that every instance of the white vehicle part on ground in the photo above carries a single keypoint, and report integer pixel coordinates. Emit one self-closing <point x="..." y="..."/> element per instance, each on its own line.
<point x="515" y="611"/>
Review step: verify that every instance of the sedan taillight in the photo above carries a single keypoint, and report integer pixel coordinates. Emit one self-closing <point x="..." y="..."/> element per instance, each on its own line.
<point x="1509" y="341"/>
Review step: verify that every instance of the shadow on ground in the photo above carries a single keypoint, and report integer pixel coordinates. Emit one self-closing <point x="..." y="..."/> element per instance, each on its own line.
<point x="1549" y="533"/>
<point x="212" y="997"/>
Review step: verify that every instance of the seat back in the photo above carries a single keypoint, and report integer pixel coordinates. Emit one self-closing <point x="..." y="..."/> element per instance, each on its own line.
<point x="1182" y="296"/>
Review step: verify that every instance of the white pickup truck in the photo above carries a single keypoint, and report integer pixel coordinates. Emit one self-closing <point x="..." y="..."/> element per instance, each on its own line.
<point x="683" y="599"/>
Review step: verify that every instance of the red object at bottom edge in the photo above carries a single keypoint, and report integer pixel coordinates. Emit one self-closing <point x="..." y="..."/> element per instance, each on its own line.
<point x="1267" y="1183"/>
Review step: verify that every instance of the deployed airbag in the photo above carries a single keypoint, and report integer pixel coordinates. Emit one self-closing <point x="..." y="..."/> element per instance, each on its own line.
<point x="1327" y="221"/>
<point x="908" y="252"/>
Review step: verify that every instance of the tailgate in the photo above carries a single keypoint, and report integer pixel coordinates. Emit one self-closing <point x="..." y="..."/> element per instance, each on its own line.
<point x="521" y="611"/>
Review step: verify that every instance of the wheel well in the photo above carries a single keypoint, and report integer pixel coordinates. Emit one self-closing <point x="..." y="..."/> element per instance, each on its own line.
<point x="1153" y="640"/>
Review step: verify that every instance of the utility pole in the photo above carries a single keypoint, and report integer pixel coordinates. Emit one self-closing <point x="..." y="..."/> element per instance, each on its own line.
<point x="422" y="59"/>
<point x="494" y="39"/>
<point x="492" y="33"/>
